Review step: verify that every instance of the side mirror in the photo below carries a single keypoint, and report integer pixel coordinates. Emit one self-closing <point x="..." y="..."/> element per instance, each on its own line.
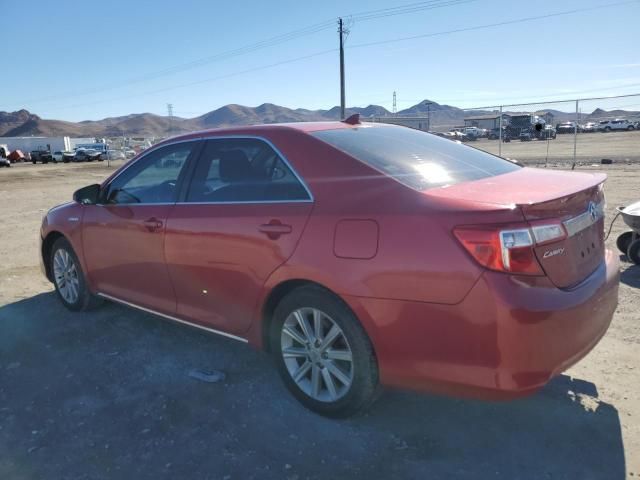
<point x="87" y="195"/>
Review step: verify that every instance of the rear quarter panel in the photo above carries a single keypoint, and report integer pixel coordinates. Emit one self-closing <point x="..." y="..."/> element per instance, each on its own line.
<point x="417" y="256"/>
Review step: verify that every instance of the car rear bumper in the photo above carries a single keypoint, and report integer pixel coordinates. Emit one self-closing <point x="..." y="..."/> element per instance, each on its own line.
<point x="507" y="338"/>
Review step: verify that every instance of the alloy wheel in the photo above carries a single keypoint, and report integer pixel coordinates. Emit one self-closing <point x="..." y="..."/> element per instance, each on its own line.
<point x="65" y="274"/>
<point x="317" y="354"/>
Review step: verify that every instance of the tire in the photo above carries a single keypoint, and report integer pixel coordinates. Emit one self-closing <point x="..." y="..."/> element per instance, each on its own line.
<point x="33" y="161"/>
<point x="633" y="253"/>
<point x="64" y="261"/>
<point x="361" y="371"/>
<point x="607" y="129"/>
<point x="623" y="241"/>
<point x="630" y="128"/>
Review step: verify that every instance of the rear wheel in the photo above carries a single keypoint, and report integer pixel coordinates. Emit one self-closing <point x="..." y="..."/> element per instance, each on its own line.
<point x="630" y="127"/>
<point x="323" y="354"/>
<point x="69" y="279"/>
<point x="634" y="252"/>
<point x="623" y="241"/>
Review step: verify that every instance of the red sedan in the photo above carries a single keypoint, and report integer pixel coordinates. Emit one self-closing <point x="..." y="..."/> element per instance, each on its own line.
<point x="359" y="255"/>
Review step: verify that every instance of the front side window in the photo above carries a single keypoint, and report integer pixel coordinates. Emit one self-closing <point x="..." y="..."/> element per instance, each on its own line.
<point x="243" y="170"/>
<point x="152" y="179"/>
<point x="418" y="159"/>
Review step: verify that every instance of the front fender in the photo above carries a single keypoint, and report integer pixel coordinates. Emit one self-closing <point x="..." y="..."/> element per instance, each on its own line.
<point x="65" y="220"/>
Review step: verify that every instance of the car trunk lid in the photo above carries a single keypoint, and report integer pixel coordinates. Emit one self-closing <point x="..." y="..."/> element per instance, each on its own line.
<point x="574" y="199"/>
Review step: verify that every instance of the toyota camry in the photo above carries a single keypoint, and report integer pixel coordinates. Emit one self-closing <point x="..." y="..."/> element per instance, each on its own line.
<point x="358" y="255"/>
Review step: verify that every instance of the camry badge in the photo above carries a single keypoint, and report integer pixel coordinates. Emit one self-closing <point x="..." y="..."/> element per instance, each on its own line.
<point x="551" y="253"/>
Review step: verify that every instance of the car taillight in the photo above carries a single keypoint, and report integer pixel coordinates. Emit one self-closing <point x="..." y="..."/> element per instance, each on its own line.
<point x="508" y="249"/>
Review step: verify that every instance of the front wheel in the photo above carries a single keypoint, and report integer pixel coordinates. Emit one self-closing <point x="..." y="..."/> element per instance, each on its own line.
<point x="634" y="252"/>
<point x="623" y="241"/>
<point x="323" y="354"/>
<point x="69" y="279"/>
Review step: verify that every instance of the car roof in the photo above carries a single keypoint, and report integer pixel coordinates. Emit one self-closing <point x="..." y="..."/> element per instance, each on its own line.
<point x="305" y="127"/>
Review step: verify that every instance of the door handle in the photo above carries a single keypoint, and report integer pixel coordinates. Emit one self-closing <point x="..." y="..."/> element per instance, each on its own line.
<point x="274" y="229"/>
<point x="152" y="224"/>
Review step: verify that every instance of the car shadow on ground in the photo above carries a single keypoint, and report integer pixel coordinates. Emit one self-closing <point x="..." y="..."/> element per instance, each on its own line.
<point x="106" y="394"/>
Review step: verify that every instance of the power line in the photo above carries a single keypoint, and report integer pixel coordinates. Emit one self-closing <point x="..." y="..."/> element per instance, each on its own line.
<point x="492" y="25"/>
<point x="208" y="80"/>
<point x="269" y="42"/>
<point x="363" y="45"/>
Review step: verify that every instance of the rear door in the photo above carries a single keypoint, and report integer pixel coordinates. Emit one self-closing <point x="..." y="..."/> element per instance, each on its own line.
<point x="123" y="237"/>
<point x="240" y="218"/>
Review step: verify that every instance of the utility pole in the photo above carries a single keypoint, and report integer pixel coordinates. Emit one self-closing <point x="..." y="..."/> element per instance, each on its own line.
<point x="170" y="113"/>
<point x="394" y="103"/>
<point x="428" y="104"/>
<point x="342" y="33"/>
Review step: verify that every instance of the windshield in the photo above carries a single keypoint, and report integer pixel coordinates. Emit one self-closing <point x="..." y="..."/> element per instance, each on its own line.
<point x="418" y="159"/>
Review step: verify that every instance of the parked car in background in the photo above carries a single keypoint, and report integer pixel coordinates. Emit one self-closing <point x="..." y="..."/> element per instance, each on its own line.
<point x="537" y="132"/>
<point x="526" y="135"/>
<point x="115" y="155"/>
<point x="589" y="127"/>
<point x="58" y="156"/>
<point x="467" y="274"/>
<point x="476" y="132"/>
<point x="16" y="156"/>
<point x="87" y="155"/>
<point x="617" y="124"/>
<point x="68" y="156"/>
<point x="566" y="127"/>
<point x="547" y="132"/>
<point x="4" y="158"/>
<point x="130" y="152"/>
<point x="43" y="156"/>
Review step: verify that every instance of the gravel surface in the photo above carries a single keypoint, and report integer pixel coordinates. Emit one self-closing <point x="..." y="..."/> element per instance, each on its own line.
<point x="113" y="394"/>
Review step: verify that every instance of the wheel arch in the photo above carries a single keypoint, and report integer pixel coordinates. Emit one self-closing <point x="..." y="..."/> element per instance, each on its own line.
<point x="47" y="245"/>
<point x="282" y="289"/>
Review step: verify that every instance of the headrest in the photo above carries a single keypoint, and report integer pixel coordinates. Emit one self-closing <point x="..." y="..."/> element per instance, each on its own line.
<point x="234" y="166"/>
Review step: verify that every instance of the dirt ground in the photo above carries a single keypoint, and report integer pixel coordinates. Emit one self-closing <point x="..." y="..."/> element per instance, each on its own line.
<point x="621" y="147"/>
<point x="107" y="394"/>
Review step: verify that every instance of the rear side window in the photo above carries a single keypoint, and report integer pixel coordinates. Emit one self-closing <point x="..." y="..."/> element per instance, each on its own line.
<point x="243" y="170"/>
<point x="418" y="159"/>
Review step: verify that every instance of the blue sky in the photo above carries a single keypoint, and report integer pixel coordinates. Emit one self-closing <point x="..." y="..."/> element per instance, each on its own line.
<point x="78" y="60"/>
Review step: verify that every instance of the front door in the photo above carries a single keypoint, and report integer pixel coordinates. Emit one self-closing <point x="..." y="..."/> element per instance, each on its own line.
<point x="241" y="218"/>
<point x="123" y="236"/>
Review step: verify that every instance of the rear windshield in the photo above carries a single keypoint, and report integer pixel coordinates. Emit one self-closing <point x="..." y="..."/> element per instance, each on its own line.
<point x="418" y="159"/>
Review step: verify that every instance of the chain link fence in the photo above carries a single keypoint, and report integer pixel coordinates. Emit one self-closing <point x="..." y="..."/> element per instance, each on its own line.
<point x="557" y="134"/>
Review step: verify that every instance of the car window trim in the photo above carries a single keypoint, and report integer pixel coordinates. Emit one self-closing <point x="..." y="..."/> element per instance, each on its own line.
<point x="190" y="168"/>
<point x="281" y="156"/>
<point x="195" y="153"/>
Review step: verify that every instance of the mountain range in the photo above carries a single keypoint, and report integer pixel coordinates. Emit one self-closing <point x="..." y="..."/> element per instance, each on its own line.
<point x="25" y="123"/>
